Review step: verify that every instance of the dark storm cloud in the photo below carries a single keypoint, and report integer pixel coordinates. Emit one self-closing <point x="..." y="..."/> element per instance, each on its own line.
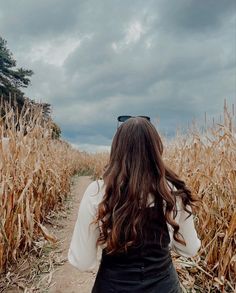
<point x="95" y="60"/>
<point x="193" y="16"/>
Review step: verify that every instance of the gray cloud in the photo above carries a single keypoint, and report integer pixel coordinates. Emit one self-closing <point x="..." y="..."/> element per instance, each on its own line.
<point x="195" y="16"/>
<point x="93" y="60"/>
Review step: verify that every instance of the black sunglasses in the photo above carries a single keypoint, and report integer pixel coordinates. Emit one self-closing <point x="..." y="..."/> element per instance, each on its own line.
<point x="123" y="118"/>
<point x="126" y="117"/>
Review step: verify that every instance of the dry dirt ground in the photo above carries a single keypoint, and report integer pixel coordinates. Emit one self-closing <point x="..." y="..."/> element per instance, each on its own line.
<point x="66" y="278"/>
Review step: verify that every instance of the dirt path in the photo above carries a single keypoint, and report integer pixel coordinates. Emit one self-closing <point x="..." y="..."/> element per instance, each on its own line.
<point x="66" y="278"/>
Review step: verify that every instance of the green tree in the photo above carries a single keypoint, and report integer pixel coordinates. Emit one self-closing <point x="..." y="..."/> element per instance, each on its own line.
<point x="11" y="78"/>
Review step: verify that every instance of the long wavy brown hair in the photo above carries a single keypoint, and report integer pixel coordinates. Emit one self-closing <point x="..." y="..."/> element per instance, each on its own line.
<point x="134" y="170"/>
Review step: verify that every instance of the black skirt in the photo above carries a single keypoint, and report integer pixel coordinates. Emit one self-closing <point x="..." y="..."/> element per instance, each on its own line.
<point x="136" y="281"/>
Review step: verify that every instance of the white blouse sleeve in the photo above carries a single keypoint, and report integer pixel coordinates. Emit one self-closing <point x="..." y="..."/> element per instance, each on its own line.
<point x="187" y="230"/>
<point x="82" y="253"/>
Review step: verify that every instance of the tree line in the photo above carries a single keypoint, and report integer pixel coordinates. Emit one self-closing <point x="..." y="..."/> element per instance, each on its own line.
<point x="12" y="80"/>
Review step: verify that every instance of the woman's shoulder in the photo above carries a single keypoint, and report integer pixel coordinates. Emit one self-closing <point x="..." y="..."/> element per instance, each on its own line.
<point x="95" y="185"/>
<point x="95" y="191"/>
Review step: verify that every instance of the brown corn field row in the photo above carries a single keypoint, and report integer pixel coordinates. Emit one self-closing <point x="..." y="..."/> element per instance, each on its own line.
<point x="35" y="173"/>
<point x="207" y="163"/>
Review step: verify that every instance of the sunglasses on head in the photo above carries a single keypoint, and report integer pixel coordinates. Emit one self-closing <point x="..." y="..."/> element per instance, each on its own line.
<point x="126" y="117"/>
<point x="123" y="118"/>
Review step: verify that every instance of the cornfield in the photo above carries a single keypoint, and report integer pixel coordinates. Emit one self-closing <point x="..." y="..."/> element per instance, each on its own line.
<point x="35" y="173"/>
<point x="207" y="163"/>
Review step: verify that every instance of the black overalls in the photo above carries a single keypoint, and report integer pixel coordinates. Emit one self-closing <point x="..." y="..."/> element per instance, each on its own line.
<point x="147" y="268"/>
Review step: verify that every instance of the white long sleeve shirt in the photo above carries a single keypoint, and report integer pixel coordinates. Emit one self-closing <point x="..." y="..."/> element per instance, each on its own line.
<point x="82" y="252"/>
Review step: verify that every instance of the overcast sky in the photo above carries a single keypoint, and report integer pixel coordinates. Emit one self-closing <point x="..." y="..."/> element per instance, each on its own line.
<point x="96" y="60"/>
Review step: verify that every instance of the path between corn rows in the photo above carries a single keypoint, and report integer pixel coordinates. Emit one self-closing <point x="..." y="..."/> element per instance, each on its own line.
<point x="66" y="278"/>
